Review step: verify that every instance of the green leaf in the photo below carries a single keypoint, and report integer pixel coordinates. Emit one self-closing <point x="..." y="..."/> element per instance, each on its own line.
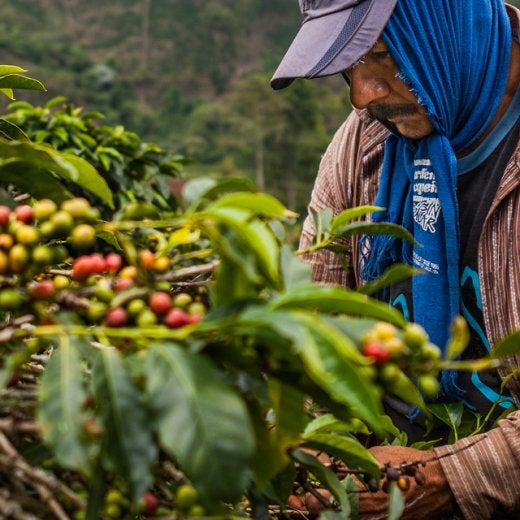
<point x="328" y="423"/>
<point x="326" y="353"/>
<point x="344" y="218"/>
<point x="321" y="221"/>
<point x="459" y="338"/>
<point x="336" y="300"/>
<point x="406" y="390"/>
<point x="396" y="502"/>
<point x="60" y="412"/>
<point x="11" y="69"/>
<point x="84" y="175"/>
<point x="202" y="421"/>
<point x="255" y="203"/>
<point x="129" y="444"/>
<point x="326" y="477"/>
<point x="288" y="408"/>
<point x="14" y="81"/>
<point x="11" y="132"/>
<point x="349" y="450"/>
<point x="507" y="346"/>
<point x="374" y="228"/>
<point x="450" y="414"/>
<point x="294" y="270"/>
<point x="395" y="273"/>
<point x="28" y="178"/>
<point x="63" y="165"/>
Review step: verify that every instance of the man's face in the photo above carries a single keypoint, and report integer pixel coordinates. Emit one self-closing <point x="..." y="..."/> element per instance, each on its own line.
<point x="374" y="85"/>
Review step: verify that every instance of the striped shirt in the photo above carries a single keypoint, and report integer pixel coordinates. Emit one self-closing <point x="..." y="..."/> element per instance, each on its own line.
<point x="485" y="479"/>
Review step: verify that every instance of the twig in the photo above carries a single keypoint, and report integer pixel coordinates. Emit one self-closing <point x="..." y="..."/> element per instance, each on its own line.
<point x="191" y="271"/>
<point x="44" y="483"/>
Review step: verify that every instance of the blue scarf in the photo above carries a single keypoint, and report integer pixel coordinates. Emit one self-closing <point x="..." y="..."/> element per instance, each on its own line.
<point x="455" y="55"/>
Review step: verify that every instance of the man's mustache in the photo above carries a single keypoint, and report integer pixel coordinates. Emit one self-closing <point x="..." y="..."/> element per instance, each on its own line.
<point x="383" y="112"/>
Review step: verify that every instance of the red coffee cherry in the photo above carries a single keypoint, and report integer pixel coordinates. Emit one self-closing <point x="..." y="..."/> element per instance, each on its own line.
<point x="24" y="213"/>
<point x="42" y="290"/>
<point x="116" y="317"/>
<point x="177" y="318"/>
<point x="376" y="350"/>
<point x="5" y="215"/>
<point x="160" y="303"/>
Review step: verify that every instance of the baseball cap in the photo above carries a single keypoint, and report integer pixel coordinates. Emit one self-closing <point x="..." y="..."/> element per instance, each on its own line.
<point x="334" y="35"/>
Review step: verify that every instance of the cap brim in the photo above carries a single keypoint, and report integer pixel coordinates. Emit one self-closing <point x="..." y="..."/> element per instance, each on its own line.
<point x="333" y="43"/>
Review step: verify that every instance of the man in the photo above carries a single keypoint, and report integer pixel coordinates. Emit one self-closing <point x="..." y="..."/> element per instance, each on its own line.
<point x="434" y="139"/>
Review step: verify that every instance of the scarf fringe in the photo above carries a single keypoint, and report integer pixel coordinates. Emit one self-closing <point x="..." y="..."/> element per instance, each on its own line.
<point x="379" y="252"/>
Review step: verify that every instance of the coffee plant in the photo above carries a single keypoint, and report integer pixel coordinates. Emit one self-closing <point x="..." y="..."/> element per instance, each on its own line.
<point x="179" y="362"/>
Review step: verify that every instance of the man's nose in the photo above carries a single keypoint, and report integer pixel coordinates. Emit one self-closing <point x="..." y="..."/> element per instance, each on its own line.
<point x="365" y="87"/>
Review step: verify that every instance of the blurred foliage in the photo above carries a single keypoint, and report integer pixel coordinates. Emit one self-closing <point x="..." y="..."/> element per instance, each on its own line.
<point x="189" y="75"/>
<point x="135" y="171"/>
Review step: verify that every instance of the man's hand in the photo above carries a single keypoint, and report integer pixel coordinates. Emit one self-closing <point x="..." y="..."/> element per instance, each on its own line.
<point x="429" y="497"/>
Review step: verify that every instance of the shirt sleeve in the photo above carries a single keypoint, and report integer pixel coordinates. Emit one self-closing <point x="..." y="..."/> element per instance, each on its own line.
<point x="483" y="471"/>
<point x="330" y="192"/>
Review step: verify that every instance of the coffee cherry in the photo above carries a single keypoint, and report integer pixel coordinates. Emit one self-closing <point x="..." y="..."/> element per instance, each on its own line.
<point x="177" y="318"/>
<point x="121" y="284"/>
<point x="430" y="352"/>
<point x="403" y="483"/>
<point x="5" y="215"/>
<point x="78" y="207"/>
<point x="135" y="307"/>
<point x="4" y="263"/>
<point x="44" y="209"/>
<point x="415" y="336"/>
<point x="384" y="331"/>
<point x="47" y="229"/>
<point x="6" y="241"/>
<point x="24" y="213"/>
<point x="113" y="511"/>
<point x="146" y="318"/>
<point x="103" y="292"/>
<point x="62" y="222"/>
<point x="96" y="311"/>
<point x="10" y="299"/>
<point x="42" y="255"/>
<point x="392" y="474"/>
<point x="18" y="258"/>
<point x="160" y="303"/>
<point x="429" y="385"/>
<point x="389" y="373"/>
<point x="186" y="496"/>
<point x="113" y="262"/>
<point x="99" y="265"/>
<point x="372" y="484"/>
<point x="117" y="317"/>
<point x="376" y="350"/>
<point x="182" y="300"/>
<point x="129" y="271"/>
<point x="196" y="511"/>
<point x="82" y="268"/>
<point x="420" y="478"/>
<point x="197" y="308"/>
<point x="195" y="318"/>
<point x="148" y="504"/>
<point x="83" y="236"/>
<point x="146" y="259"/>
<point x="42" y="290"/>
<point x="162" y="264"/>
<point x="27" y="235"/>
<point x="61" y="282"/>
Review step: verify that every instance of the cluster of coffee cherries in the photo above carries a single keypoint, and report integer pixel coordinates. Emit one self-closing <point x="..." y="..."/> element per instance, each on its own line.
<point x="391" y="351"/>
<point x="48" y="262"/>
<point x="184" y="497"/>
